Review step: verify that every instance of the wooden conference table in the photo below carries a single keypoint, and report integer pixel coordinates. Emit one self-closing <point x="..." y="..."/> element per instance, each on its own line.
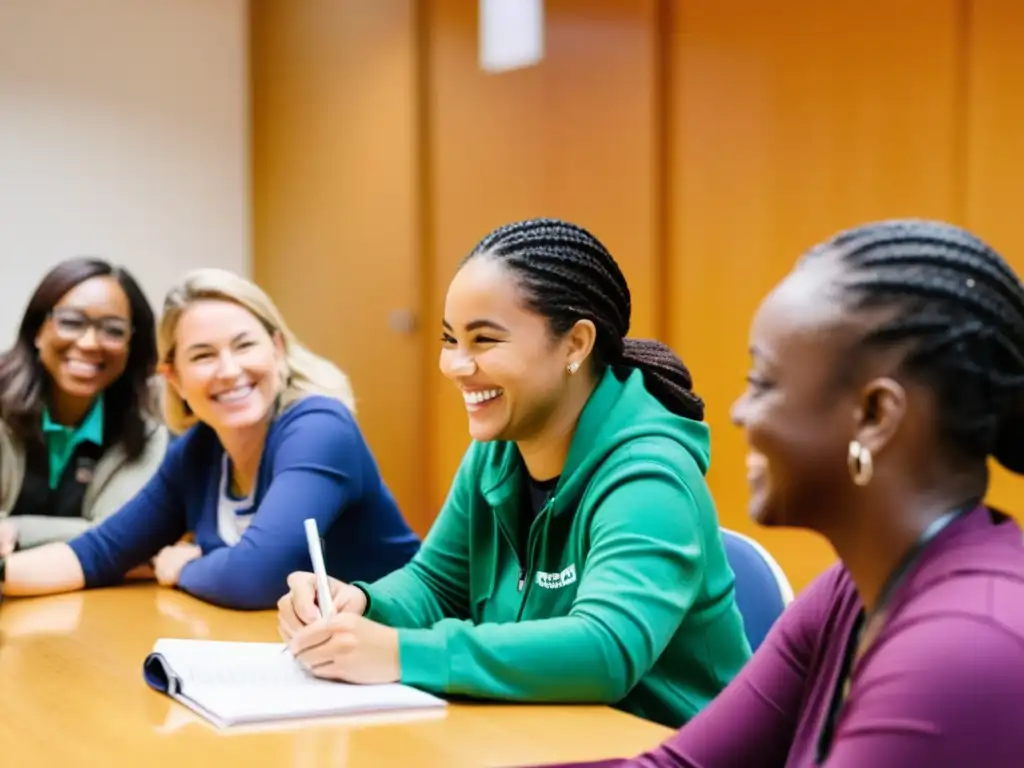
<point x="72" y="694"/>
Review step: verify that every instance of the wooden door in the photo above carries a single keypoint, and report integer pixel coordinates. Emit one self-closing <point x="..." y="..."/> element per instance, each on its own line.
<point x="336" y="205"/>
<point x="789" y="121"/>
<point x="994" y="158"/>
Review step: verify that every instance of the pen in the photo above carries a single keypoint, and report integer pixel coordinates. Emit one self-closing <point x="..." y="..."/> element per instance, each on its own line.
<point x="316" y="557"/>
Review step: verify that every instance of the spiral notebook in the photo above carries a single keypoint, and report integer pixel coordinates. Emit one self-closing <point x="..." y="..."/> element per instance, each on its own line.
<point x="236" y="683"/>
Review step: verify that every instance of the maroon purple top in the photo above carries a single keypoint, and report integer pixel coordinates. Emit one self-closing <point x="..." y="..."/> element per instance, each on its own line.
<point x="942" y="685"/>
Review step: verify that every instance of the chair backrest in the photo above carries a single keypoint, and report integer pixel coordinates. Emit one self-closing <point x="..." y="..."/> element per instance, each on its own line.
<point x="762" y="589"/>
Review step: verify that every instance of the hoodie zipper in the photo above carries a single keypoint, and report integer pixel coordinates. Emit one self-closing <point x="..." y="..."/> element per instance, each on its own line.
<point x="510" y="540"/>
<point x="524" y="569"/>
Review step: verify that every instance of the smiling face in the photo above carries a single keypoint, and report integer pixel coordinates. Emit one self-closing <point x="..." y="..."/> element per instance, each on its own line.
<point x="511" y="371"/>
<point x="797" y="416"/>
<point x="83" y="344"/>
<point x="227" y="366"/>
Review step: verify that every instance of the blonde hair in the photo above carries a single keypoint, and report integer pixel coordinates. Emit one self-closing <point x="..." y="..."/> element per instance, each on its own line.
<point x="305" y="373"/>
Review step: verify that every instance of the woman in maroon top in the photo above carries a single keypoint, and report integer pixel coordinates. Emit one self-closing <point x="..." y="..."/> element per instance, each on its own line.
<point x="886" y="369"/>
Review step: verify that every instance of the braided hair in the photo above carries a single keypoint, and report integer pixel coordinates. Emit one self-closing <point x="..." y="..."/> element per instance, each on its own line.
<point x="567" y="275"/>
<point x="959" y="310"/>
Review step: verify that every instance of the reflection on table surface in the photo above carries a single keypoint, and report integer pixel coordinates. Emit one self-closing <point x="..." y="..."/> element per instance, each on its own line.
<point x="72" y="693"/>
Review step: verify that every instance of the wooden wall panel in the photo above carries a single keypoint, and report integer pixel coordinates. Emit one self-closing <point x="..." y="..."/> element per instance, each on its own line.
<point x="787" y="122"/>
<point x="995" y="158"/>
<point x="783" y="124"/>
<point x="575" y="137"/>
<point x="336" y="228"/>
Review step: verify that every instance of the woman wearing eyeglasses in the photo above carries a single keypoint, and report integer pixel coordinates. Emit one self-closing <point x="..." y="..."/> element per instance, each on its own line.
<point x="77" y="436"/>
<point x="267" y="437"/>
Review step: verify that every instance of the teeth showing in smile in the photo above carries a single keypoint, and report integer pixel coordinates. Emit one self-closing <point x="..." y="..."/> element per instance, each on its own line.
<point x="82" y="368"/>
<point x="476" y="398"/>
<point x="234" y="395"/>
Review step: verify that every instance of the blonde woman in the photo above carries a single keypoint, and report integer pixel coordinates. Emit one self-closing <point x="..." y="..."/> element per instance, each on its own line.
<point x="267" y="439"/>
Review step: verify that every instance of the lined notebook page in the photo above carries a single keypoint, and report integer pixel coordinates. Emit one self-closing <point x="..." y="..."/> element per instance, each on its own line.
<point x="252" y="682"/>
<point x="213" y="662"/>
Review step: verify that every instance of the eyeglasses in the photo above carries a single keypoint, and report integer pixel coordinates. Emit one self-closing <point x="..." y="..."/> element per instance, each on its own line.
<point x="71" y="325"/>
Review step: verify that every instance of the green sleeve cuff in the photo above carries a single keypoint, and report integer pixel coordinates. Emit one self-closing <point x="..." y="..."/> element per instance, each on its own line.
<point x="423" y="658"/>
<point x="363" y="587"/>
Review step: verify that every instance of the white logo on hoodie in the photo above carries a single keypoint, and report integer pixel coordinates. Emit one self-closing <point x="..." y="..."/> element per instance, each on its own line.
<point x="557" y="580"/>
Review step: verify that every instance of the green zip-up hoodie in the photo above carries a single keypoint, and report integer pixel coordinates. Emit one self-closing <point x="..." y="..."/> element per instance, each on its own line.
<point x="625" y="596"/>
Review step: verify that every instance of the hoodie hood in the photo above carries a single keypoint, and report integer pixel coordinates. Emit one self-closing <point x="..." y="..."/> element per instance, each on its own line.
<point x="619" y="411"/>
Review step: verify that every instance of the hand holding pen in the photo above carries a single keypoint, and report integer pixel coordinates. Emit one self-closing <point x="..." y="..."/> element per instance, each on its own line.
<point x="314" y="596"/>
<point x="322" y="623"/>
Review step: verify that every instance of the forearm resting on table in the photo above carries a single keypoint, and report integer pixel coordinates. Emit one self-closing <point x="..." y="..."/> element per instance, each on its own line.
<point x="43" y="570"/>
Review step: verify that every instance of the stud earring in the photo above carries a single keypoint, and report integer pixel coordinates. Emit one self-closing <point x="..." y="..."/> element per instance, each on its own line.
<point x="859" y="462"/>
<point x="572" y="367"/>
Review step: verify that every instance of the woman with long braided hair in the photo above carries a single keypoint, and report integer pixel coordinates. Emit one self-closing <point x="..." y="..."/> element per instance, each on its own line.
<point x="578" y="557"/>
<point x="886" y="370"/>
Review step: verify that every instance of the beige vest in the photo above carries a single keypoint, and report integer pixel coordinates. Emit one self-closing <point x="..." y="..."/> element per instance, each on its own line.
<point x="115" y="481"/>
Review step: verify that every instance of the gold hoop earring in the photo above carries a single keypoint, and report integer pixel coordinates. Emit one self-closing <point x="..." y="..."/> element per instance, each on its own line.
<point x="572" y="367"/>
<point x="860" y="464"/>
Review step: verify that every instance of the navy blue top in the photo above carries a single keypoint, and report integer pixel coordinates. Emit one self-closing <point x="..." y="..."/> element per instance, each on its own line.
<point x="315" y="464"/>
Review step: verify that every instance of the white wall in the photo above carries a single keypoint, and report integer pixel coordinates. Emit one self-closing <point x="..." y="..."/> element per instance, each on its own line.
<point x="124" y="133"/>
